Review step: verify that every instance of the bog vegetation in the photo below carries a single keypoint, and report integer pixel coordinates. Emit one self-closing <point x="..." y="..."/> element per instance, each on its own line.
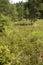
<point x="21" y="33"/>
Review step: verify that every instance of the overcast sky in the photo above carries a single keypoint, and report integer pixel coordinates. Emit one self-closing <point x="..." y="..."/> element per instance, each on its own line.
<point x="15" y="1"/>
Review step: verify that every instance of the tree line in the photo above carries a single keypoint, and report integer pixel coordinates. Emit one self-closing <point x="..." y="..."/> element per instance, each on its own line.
<point x="32" y="9"/>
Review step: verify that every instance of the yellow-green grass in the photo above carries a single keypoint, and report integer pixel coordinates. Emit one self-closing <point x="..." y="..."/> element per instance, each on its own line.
<point x="22" y="43"/>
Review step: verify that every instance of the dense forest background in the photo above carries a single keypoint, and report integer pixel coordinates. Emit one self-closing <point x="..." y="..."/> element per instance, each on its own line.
<point x="27" y="10"/>
<point x="21" y="33"/>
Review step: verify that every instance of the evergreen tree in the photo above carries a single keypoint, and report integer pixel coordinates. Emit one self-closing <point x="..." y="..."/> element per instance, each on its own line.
<point x="33" y="9"/>
<point x="13" y="12"/>
<point x="21" y="10"/>
<point x="27" y="13"/>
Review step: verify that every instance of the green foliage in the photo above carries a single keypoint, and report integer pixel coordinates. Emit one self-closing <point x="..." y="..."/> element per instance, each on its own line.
<point x="20" y="42"/>
<point x="21" y="11"/>
<point x="4" y="24"/>
<point x="4" y="7"/>
<point x="24" y="47"/>
<point x="33" y="9"/>
<point x="13" y="12"/>
<point x="27" y="13"/>
<point x="4" y="54"/>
